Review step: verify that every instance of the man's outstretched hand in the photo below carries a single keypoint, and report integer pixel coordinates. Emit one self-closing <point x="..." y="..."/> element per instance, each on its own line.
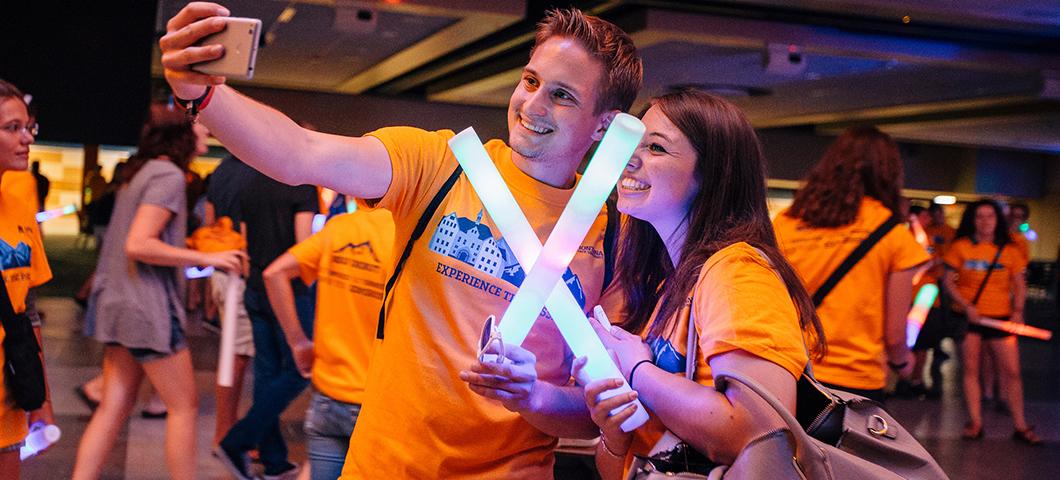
<point x="192" y="23"/>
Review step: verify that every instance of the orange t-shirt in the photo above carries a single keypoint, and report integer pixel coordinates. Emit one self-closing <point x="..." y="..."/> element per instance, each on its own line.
<point x="852" y="315"/>
<point x="24" y="266"/>
<point x="418" y="419"/>
<point x="350" y="260"/>
<point x="1021" y="244"/>
<point x="971" y="260"/>
<point x="739" y="303"/>
<point x="938" y="237"/>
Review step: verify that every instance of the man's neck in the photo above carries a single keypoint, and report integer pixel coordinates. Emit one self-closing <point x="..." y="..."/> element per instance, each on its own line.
<point x="550" y="172"/>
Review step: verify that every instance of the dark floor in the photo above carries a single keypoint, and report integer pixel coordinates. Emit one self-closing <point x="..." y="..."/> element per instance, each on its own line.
<point x="73" y="359"/>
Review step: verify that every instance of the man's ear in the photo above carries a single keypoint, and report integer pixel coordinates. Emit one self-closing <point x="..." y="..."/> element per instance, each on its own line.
<point x="605" y="121"/>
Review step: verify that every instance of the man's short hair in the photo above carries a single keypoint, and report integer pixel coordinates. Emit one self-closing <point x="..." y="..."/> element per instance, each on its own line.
<point x="623" y="70"/>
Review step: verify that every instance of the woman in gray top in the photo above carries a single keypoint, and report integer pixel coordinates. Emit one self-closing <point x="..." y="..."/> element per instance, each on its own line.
<point x="135" y="303"/>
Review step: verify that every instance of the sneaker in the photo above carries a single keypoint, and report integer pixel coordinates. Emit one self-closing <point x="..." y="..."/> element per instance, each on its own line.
<point x="236" y="463"/>
<point x="289" y="474"/>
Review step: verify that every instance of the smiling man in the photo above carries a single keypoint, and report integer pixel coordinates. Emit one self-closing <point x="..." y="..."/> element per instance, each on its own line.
<point x="419" y="419"/>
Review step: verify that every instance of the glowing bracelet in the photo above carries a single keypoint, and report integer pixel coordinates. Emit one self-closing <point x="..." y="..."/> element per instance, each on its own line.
<point x="914" y="322"/>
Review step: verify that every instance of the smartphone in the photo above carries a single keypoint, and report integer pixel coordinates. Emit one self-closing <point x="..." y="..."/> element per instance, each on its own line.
<point x="240" y="39"/>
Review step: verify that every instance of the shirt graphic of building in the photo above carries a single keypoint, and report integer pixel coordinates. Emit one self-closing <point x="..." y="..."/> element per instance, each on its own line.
<point x="472" y="242"/>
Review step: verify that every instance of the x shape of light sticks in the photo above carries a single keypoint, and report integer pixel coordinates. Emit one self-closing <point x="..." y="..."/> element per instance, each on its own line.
<point x="544" y="285"/>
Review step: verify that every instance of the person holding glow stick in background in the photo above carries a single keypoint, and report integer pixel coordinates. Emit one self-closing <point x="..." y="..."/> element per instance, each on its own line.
<point x="985" y="277"/>
<point x="697" y="250"/>
<point x="419" y="417"/>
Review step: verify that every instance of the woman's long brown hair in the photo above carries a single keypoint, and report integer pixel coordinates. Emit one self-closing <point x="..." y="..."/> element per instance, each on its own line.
<point x="862" y="162"/>
<point x="729" y="207"/>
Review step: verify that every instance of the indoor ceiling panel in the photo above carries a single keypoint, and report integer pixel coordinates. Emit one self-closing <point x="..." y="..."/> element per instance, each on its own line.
<point x="1039" y="132"/>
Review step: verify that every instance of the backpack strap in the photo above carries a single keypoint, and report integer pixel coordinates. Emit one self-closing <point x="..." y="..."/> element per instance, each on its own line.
<point x="854" y="258"/>
<point x="416" y="234"/>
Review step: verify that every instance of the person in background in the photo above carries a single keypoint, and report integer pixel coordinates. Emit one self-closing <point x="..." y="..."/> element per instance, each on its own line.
<point x="222" y="200"/>
<point x="135" y="306"/>
<point x="43" y="184"/>
<point x="698" y="252"/>
<point x="349" y="259"/>
<point x="985" y="278"/>
<point x="934" y="328"/>
<point x="274" y="217"/>
<point x="24" y="263"/>
<point x="853" y="190"/>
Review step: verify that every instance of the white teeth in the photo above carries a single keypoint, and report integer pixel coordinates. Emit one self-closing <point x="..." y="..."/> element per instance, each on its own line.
<point x="631" y="184"/>
<point x="532" y="127"/>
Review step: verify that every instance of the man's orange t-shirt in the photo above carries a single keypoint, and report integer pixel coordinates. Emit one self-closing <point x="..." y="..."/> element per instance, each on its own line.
<point x="350" y="260"/>
<point x="24" y="266"/>
<point x="418" y="419"/>
<point x="738" y="303"/>
<point x="971" y="260"/>
<point x="852" y="315"/>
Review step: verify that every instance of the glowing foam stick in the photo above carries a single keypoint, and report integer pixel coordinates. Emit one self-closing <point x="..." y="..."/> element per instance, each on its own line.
<point x="227" y="355"/>
<point x="56" y="213"/>
<point x="1020" y="329"/>
<point x="41" y="436"/>
<point x="581" y="212"/>
<point x="510" y="220"/>
<point x="925" y="298"/>
<point x="192" y="273"/>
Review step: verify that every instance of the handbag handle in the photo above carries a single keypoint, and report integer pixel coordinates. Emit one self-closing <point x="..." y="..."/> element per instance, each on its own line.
<point x="806" y="451"/>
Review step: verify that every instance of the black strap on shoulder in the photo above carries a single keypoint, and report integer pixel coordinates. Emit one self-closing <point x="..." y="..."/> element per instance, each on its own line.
<point x="416" y="234"/>
<point x="989" y="270"/>
<point x="610" y="232"/>
<point x="854" y="258"/>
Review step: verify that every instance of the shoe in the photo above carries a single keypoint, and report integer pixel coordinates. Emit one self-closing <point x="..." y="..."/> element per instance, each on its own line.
<point x="145" y="413"/>
<point x="970" y="433"/>
<point x="236" y="463"/>
<point x="89" y="402"/>
<point x="1027" y="436"/>
<point x="289" y="474"/>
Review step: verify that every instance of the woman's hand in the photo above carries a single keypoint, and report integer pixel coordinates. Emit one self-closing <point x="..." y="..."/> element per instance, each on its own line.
<point x="617" y="441"/>
<point x="1017" y="317"/>
<point x="231" y="261"/>
<point x="972" y="314"/>
<point x="627" y="349"/>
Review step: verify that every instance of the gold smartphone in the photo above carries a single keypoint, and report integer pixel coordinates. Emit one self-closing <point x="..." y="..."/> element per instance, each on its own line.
<point x="240" y="39"/>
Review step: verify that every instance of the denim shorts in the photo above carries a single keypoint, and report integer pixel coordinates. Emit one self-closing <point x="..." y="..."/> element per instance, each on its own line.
<point x="177" y="342"/>
<point x="11" y="448"/>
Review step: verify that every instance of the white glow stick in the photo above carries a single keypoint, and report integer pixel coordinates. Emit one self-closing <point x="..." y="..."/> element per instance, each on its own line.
<point x="598" y="313"/>
<point x="192" y="273"/>
<point x="56" y="213"/>
<point x="581" y="212"/>
<point x="510" y="220"/>
<point x="227" y="355"/>
<point x="1020" y="329"/>
<point x="914" y="322"/>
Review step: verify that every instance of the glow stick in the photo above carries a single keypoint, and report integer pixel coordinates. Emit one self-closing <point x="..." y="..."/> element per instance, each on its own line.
<point x="41" y="436"/>
<point x="56" y="213"/>
<point x="1020" y="329"/>
<point x="914" y="322"/>
<point x="581" y="212"/>
<point x="192" y="273"/>
<point x="510" y="220"/>
<point x="227" y="355"/>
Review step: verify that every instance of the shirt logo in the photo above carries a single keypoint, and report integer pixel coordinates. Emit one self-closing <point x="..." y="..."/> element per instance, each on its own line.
<point x="472" y="242"/>
<point x="14" y="257"/>
<point x="666" y="356"/>
<point x="980" y="265"/>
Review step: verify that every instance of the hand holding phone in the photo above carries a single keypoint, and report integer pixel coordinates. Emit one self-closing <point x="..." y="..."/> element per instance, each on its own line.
<point x="239" y="39"/>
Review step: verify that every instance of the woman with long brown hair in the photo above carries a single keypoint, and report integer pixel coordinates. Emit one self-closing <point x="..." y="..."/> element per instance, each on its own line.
<point x="985" y="277"/>
<point x="851" y="192"/>
<point x="698" y="252"/>
<point x="136" y="297"/>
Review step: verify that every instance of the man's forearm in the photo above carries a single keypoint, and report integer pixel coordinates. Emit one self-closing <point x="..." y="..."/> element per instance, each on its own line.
<point x="560" y="412"/>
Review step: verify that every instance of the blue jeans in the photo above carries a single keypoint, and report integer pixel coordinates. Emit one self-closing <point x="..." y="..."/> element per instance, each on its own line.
<point x="276" y="382"/>
<point x="328" y="426"/>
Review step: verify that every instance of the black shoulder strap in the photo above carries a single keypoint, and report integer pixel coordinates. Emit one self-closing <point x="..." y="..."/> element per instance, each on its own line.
<point x="416" y="234"/>
<point x="989" y="270"/>
<point x="7" y="309"/>
<point x="854" y="258"/>
<point x="610" y="232"/>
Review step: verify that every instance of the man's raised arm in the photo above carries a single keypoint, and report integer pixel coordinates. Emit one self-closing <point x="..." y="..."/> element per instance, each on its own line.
<point x="259" y="135"/>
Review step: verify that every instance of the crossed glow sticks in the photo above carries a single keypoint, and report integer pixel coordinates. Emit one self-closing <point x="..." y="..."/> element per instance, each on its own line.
<point x="544" y="285"/>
